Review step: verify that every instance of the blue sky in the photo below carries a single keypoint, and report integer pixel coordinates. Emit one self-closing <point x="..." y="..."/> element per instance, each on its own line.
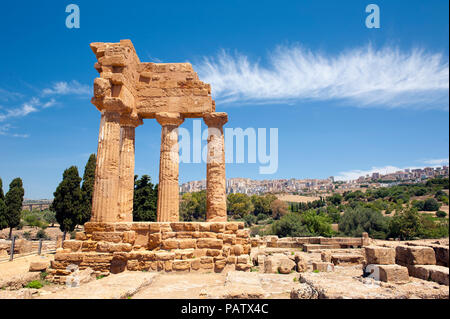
<point x="345" y="99"/>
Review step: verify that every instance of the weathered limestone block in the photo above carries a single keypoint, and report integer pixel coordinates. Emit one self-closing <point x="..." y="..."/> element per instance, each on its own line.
<point x="325" y="256"/>
<point x="69" y="257"/>
<point x="379" y="255"/>
<point x="164" y="256"/>
<point x="123" y="226"/>
<point x="210" y="243"/>
<point x="73" y="245"/>
<point x="107" y="247"/>
<point x="237" y="250"/>
<point x="169" y="244"/>
<point x="439" y="274"/>
<point x="393" y="273"/>
<point x="323" y="266"/>
<point x="183" y="254"/>
<point x="415" y="255"/>
<point x="88" y="246"/>
<point x="80" y="236"/>
<point x="129" y="237"/>
<point x="39" y="265"/>
<point x="286" y="266"/>
<point x="213" y="252"/>
<point x="243" y="267"/>
<point x="217" y="227"/>
<point x="181" y="265"/>
<point x="229" y="239"/>
<point x="346" y="259"/>
<point x="114" y="237"/>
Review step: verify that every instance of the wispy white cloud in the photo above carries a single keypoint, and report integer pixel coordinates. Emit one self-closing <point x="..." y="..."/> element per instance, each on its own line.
<point x="37" y="103"/>
<point x="66" y="88"/>
<point x="388" y="169"/>
<point x="6" y="95"/>
<point x="25" y="109"/>
<point x="386" y="77"/>
<point x="438" y="161"/>
<point x="4" y="130"/>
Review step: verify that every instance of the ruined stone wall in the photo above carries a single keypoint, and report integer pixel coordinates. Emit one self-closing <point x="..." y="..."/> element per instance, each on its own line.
<point x="310" y="243"/>
<point x="137" y="246"/>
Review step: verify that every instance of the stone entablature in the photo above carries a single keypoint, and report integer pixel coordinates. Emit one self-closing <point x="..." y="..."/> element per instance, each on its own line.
<point x="181" y="246"/>
<point x="143" y="89"/>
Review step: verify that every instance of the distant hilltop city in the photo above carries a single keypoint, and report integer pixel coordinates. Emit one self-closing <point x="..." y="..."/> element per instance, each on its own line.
<point x="249" y="186"/>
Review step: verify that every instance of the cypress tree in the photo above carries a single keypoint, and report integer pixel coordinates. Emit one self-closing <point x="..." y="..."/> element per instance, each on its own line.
<point x="3" y="223"/>
<point x="145" y="199"/>
<point x="13" y="201"/>
<point x="87" y="189"/>
<point x="2" y="195"/>
<point x="67" y="202"/>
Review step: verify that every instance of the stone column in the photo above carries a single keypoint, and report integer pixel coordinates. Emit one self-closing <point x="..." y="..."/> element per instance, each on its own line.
<point x="168" y="188"/>
<point x="126" y="168"/>
<point x="216" y="197"/>
<point x="106" y="185"/>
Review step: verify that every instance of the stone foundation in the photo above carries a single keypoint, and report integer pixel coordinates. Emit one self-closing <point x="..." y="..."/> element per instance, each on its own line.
<point x="162" y="246"/>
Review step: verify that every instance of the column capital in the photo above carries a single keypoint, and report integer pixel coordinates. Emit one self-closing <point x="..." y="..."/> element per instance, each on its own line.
<point x="130" y="120"/>
<point x="215" y="119"/>
<point x="169" y="119"/>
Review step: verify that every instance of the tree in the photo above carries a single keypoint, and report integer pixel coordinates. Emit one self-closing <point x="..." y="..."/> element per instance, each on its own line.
<point x="87" y="189"/>
<point x="239" y="205"/>
<point x="14" y="201"/>
<point x="68" y="201"/>
<point x="193" y="206"/>
<point x="317" y="223"/>
<point x="262" y="204"/>
<point x="290" y="225"/>
<point x="335" y="199"/>
<point x="2" y="195"/>
<point x="431" y="205"/>
<point x="279" y="208"/>
<point x="50" y="217"/>
<point x="406" y="224"/>
<point x="361" y="219"/>
<point x="145" y="199"/>
<point x="3" y="222"/>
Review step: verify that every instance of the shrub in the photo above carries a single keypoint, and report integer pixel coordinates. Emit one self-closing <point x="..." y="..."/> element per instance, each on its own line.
<point x="431" y="205"/>
<point x="36" y="284"/>
<point x="363" y="219"/>
<point x="441" y="214"/>
<point x="405" y="224"/>
<point x="26" y="235"/>
<point x="290" y="225"/>
<point x="41" y="234"/>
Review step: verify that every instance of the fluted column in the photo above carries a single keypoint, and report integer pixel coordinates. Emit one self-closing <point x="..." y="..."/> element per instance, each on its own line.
<point x="106" y="185"/>
<point x="126" y="168"/>
<point x="168" y="188"/>
<point x="216" y="198"/>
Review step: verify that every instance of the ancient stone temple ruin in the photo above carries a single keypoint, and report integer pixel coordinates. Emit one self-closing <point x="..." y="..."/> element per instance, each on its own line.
<point x="127" y="92"/>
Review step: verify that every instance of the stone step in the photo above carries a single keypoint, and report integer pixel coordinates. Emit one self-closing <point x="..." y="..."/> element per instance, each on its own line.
<point x="438" y="274"/>
<point x="117" y="286"/>
<point x="313" y="247"/>
<point x="346" y="259"/>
